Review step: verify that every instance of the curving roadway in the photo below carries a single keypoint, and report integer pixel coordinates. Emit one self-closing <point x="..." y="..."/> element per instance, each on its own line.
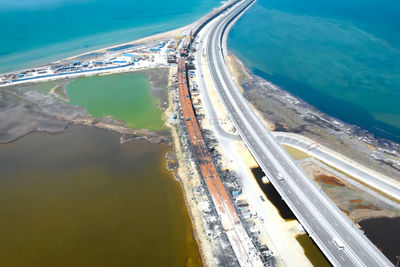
<point x="323" y="221"/>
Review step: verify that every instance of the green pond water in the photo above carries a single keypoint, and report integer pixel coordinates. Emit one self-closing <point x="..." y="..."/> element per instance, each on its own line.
<point x="125" y="97"/>
<point x="81" y="198"/>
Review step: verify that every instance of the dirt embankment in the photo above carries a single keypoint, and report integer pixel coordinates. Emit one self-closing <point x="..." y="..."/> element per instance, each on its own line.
<point x="23" y="112"/>
<point x="351" y="200"/>
<point x="329" y="180"/>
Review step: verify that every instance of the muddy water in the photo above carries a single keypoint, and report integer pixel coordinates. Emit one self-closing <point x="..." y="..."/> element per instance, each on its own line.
<point x="311" y="250"/>
<point x="273" y="195"/>
<point x="384" y="232"/>
<point x="82" y="199"/>
<point x="314" y="255"/>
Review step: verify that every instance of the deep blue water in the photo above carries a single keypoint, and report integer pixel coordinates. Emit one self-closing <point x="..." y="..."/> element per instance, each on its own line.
<point x="38" y="31"/>
<point x="342" y="56"/>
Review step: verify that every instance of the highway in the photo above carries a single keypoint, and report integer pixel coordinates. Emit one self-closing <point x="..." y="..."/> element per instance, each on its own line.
<point x="378" y="181"/>
<point x="318" y="215"/>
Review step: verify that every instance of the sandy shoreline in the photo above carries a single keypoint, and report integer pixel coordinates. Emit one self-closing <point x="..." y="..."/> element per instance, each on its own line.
<point x="151" y="38"/>
<point x="105" y="50"/>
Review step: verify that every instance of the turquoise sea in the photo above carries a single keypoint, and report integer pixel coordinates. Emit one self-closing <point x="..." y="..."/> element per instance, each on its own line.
<point x="35" y="32"/>
<point x="343" y="56"/>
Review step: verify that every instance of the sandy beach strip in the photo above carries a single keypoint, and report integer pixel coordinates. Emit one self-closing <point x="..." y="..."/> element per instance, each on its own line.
<point x="151" y="38"/>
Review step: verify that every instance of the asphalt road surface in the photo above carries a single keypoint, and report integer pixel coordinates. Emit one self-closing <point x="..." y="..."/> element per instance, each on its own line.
<point x="386" y="185"/>
<point x="319" y="216"/>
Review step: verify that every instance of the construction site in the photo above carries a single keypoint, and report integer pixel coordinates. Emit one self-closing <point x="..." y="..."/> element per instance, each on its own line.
<point x="228" y="216"/>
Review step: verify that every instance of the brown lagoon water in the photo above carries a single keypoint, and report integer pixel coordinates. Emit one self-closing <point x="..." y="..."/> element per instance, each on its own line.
<point x="83" y="199"/>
